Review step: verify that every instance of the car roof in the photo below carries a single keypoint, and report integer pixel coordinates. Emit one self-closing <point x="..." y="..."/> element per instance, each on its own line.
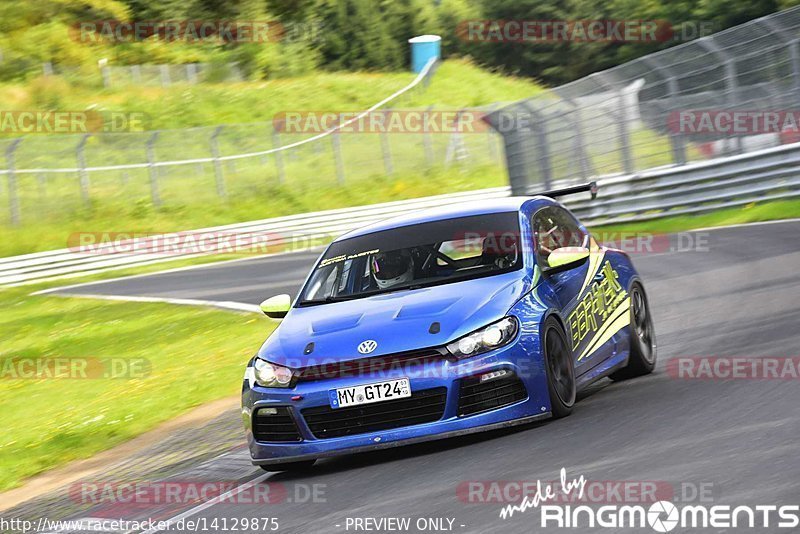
<point x="459" y="209"/>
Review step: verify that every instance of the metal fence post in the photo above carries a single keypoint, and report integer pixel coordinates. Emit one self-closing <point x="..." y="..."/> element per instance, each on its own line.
<point x="456" y="149"/>
<point x="165" y="79"/>
<point x="579" y="146"/>
<point x="619" y="112"/>
<point x="386" y="148"/>
<point x="41" y="179"/>
<point x="13" y="199"/>
<point x="153" y="170"/>
<point x="276" y="143"/>
<point x="793" y="44"/>
<point x="730" y="81"/>
<point x="490" y="140"/>
<point x="336" y="144"/>
<point x="136" y="74"/>
<point x="539" y="125"/>
<point x="794" y="52"/>
<point x="219" y="176"/>
<point x="427" y="142"/>
<point x="676" y="139"/>
<point x="83" y="175"/>
<point x="624" y="137"/>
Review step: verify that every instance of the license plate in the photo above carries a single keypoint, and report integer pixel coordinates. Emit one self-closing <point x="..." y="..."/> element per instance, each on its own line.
<point x="369" y="393"/>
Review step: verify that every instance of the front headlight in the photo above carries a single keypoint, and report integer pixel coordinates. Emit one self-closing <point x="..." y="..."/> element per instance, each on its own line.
<point x="270" y="375"/>
<point x="491" y="337"/>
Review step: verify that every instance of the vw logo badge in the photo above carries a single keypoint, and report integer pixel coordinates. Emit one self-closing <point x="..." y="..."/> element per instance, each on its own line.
<point x="368" y="346"/>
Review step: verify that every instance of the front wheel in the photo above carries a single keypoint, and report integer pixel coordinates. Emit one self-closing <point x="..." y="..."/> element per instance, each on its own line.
<point x="560" y="368"/>
<point x="642" y="359"/>
<point x="290" y="466"/>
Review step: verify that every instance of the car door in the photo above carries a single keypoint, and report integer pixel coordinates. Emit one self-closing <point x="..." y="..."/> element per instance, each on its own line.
<point x="554" y="227"/>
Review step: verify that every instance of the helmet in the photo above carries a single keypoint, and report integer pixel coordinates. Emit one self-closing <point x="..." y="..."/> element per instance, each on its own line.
<point x="392" y="268"/>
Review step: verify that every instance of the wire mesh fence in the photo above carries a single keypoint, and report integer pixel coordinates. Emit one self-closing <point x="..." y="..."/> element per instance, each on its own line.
<point x="729" y="93"/>
<point x="166" y="75"/>
<point x="57" y="175"/>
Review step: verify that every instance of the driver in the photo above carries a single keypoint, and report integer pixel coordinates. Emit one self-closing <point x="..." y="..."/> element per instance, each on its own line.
<point x="392" y="268"/>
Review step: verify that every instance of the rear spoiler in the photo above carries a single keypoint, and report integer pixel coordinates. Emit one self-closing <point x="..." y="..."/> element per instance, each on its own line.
<point x="591" y="187"/>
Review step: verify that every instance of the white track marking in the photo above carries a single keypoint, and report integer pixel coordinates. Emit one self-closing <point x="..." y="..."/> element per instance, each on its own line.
<point x="224" y="304"/>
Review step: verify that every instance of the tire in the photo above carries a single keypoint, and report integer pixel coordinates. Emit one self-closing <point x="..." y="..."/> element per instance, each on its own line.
<point x="642" y="359"/>
<point x="559" y="367"/>
<point x="290" y="466"/>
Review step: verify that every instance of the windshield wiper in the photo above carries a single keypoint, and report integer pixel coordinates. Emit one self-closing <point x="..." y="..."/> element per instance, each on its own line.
<point x="329" y="299"/>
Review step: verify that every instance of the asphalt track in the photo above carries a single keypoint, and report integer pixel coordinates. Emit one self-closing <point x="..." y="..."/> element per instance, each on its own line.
<point x="738" y="439"/>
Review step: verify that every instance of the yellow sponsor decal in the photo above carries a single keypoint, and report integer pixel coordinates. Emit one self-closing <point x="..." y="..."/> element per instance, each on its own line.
<point x="618" y="320"/>
<point x="596" y="254"/>
<point x="598" y="304"/>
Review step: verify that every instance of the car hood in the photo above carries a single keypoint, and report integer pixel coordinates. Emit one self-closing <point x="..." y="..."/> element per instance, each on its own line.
<point x="398" y="322"/>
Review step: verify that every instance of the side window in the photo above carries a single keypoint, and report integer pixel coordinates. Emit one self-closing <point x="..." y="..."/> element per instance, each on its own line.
<point x="553" y="228"/>
<point x="461" y="249"/>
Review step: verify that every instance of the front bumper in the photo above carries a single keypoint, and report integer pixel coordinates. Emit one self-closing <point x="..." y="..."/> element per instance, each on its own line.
<point x="515" y="357"/>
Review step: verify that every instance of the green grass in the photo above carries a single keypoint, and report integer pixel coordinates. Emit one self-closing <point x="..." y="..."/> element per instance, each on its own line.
<point x="456" y="83"/>
<point x="196" y="356"/>
<point x="755" y="212"/>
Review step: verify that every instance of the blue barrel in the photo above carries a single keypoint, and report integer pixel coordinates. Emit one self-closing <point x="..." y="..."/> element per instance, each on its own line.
<point x="423" y="48"/>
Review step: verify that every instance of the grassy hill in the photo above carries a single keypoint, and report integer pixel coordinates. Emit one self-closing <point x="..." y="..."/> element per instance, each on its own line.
<point x="52" y="206"/>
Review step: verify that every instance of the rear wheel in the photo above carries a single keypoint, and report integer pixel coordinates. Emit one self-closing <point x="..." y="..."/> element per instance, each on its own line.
<point x="642" y="335"/>
<point x="290" y="466"/>
<point x="560" y="368"/>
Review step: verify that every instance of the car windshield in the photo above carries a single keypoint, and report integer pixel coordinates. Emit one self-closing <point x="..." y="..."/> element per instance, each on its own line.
<point x="415" y="256"/>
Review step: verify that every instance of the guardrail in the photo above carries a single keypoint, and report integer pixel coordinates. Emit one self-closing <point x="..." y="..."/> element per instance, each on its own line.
<point x="770" y="174"/>
<point x="303" y="228"/>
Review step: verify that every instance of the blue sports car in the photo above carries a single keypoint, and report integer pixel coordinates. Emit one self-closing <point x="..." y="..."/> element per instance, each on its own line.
<point x="442" y="323"/>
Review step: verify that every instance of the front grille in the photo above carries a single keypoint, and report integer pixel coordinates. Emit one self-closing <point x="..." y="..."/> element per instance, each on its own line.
<point x="390" y="363"/>
<point x="422" y="407"/>
<point x="275" y="427"/>
<point x="476" y="397"/>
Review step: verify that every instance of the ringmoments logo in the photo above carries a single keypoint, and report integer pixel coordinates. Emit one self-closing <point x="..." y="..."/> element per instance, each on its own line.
<point x="664" y="516"/>
<point x="558" y="509"/>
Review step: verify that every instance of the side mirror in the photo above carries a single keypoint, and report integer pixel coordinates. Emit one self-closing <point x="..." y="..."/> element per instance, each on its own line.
<point x="566" y="257"/>
<point x="277" y="307"/>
